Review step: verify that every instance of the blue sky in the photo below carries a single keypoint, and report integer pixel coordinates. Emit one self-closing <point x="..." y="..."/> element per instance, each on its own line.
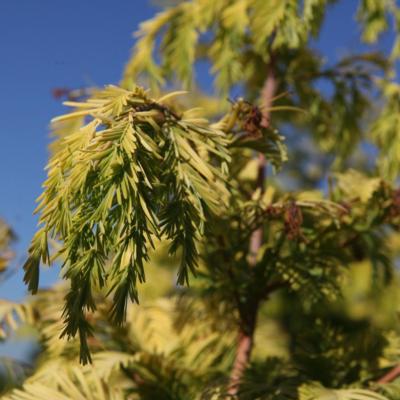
<point x="51" y="43"/>
<point x="46" y="44"/>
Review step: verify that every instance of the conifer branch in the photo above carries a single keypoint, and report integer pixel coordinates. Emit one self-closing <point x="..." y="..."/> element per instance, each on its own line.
<point x="248" y="324"/>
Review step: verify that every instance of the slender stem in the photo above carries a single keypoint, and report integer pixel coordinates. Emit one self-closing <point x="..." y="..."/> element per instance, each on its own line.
<point x="248" y="314"/>
<point x="391" y="375"/>
<point x="243" y="349"/>
<point x="267" y="94"/>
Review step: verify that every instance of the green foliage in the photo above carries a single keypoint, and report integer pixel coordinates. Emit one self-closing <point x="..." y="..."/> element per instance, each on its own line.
<point x="375" y="15"/>
<point x="240" y="39"/>
<point x="6" y="238"/>
<point x="317" y="392"/>
<point x="142" y="188"/>
<point x="234" y="25"/>
<point x="386" y="131"/>
<point x="132" y="163"/>
<point x="155" y="354"/>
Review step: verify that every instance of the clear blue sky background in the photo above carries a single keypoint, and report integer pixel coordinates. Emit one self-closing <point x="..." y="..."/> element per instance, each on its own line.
<point x="52" y="43"/>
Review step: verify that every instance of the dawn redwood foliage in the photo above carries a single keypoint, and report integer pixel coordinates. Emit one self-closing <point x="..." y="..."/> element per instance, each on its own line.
<point x="280" y="228"/>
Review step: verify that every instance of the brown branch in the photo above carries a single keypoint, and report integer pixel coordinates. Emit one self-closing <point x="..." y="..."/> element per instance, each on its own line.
<point x="244" y="346"/>
<point x="390" y="376"/>
<point x="249" y="310"/>
<point x="267" y="94"/>
<point x="71" y="94"/>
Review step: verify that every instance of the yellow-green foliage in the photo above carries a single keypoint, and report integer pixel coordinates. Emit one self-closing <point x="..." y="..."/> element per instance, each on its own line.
<point x="6" y="238"/>
<point x="141" y="186"/>
<point x="234" y="24"/>
<point x="239" y="38"/>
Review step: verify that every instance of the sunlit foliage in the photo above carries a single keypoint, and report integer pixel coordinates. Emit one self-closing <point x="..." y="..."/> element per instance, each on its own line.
<point x="155" y="208"/>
